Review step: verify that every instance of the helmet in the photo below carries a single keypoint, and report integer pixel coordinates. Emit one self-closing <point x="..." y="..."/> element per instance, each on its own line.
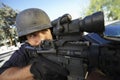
<point x="31" y="20"/>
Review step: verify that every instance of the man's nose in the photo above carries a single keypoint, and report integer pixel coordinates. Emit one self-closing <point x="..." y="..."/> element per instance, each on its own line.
<point x="41" y="35"/>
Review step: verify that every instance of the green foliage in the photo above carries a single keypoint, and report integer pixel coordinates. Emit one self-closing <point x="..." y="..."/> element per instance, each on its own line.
<point x="7" y="19"/>
<point x="111" y="8"/>
<point x="7" y="16"/>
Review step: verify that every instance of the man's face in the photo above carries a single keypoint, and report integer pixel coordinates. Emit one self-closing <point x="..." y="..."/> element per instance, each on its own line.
<point x="34" y="39"/>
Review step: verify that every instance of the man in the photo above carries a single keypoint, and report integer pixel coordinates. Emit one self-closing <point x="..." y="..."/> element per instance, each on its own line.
<point x="33" y="27"/>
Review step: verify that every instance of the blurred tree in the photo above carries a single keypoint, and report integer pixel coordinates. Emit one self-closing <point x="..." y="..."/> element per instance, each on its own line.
<point x="109" y="7"/>
<point x="7" y="19"/>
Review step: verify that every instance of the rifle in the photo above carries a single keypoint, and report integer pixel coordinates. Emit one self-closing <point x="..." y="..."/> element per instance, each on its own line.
<point x="78" y="52"/>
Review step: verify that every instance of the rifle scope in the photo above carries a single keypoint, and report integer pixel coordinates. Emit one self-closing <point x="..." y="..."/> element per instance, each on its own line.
<point x="92" y="23"/>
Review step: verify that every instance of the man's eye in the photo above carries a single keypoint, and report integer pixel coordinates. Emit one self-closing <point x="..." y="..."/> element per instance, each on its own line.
<point x="32" y="35"/>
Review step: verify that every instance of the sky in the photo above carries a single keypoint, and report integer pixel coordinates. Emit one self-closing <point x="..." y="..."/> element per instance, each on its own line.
<point x="54" y="8"/>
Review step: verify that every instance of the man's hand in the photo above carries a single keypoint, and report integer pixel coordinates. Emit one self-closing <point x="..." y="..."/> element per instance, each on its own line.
<point x="17" y="73"/>
<point x="44" y="69"/>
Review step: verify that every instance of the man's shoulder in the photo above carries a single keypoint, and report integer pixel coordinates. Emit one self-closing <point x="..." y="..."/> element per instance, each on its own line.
<point x="23" y="45"/>
<point x="21" y="50"/>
